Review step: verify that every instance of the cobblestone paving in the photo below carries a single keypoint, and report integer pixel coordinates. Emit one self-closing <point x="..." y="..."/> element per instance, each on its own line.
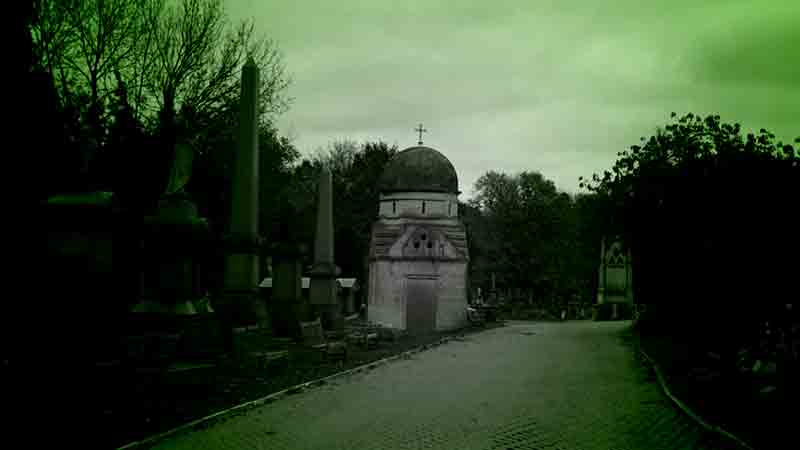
<point x="571" y="385"/>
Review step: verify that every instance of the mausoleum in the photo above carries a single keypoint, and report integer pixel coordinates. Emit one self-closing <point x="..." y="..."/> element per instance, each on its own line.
<point x="418" y="250"/>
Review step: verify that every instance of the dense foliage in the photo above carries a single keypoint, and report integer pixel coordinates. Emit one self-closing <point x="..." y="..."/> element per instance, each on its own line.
<point x="709" y="216"/>
<point x="356" y="169"/>
<point x="532" y="237"/>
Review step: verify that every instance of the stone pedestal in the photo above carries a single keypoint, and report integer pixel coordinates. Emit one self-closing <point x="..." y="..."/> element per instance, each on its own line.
<point x="287" y="307"/>
<point x="324" y="297"/>
<point x="172" y="300"/>
<point x="170" y="246"/>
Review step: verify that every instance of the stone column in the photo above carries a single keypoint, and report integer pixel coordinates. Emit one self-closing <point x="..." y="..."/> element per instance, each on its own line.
<point x="323" y="295"/>
<point x="242" y="244"/>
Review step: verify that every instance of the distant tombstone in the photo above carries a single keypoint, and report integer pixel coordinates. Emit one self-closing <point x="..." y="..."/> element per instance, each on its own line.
<point x="286" y="305"/>
<point x="616" y="278"/>
<point x="323" y="290"/>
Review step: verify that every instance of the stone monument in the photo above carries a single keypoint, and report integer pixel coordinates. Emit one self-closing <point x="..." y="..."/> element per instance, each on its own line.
<point x="286" y="306"/>
<point x="323" y="289"/>
<point x="616" y="279"/>
<point x="169" y="245"/>
<point x="240" y="302"/>
<point x="173" y="242"/>
<point x="418" y="251"/>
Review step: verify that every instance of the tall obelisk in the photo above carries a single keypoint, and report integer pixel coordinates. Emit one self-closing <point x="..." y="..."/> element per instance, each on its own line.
<point x="323" y="295"/>
<point x="242" y="244"/>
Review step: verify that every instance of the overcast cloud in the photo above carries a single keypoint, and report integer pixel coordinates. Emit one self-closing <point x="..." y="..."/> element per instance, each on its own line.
<point x="553" y="86"/>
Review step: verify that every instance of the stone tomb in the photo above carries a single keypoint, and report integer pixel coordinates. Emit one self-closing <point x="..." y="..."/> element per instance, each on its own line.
<point x="616" y="277"/>
<point x="418" y="252"/>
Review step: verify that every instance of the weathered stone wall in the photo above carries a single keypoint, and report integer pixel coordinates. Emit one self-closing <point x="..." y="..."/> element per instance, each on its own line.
<point x="386" y="303"/>
<point x="387" y="300"/>
<point x="411" y="205"/>
<point x="451" y="311"/>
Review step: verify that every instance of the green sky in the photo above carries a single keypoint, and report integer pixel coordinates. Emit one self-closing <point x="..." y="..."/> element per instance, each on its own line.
<point x="555" y="86"/>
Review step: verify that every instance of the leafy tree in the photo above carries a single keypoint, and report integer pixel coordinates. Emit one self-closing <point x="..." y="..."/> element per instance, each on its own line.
<point x="700" y="205"/>
<point x="476" y="224"/>
<point x="524" y="231"/>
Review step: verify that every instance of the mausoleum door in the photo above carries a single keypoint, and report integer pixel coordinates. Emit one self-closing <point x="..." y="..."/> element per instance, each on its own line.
<point x="420" y="305"/>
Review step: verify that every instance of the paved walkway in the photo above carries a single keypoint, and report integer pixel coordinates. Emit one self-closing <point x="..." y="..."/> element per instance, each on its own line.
<point x="571" y="385"/>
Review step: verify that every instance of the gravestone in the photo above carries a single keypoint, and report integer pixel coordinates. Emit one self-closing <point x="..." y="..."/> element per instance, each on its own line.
<point x="171" y="243"/>
<point x="173" y="300"/>
<point x="241" y="300"/>
<point x="615" y="288"/>
<point x="286" y="305"/>
<point x="323" y="290"/>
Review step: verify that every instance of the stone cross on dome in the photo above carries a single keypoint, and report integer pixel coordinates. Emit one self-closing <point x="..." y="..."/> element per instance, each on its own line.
<point x="420" y="130"/>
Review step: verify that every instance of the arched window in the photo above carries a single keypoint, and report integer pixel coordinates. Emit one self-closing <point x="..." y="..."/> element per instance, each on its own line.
<point x="423" y="207"/>
<point x="394" y="206"/>
<point x="449" y="208"/>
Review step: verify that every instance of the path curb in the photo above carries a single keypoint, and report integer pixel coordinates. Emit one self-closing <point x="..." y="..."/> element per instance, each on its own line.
<point x="209" y="420"/>
<point x="688" y="411"/>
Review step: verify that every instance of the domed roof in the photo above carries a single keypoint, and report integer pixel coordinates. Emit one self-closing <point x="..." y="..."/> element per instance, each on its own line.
<point x="419" y="169"/>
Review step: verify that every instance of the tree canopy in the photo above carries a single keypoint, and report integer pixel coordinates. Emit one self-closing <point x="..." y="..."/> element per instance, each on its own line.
<point x="527" y="233"/>
<point x="130" y="80"/>
<point x="701" y="205"/>
<point x="355" y="168"/>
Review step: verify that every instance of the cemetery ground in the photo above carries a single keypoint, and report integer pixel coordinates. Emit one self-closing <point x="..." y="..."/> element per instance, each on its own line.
<point x="161" y="400"/>
<point x="526" y="385"/>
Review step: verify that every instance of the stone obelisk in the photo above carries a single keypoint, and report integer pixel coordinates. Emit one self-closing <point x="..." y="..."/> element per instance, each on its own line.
<point x="242" y="244"/>
<point x="323" y="294"/>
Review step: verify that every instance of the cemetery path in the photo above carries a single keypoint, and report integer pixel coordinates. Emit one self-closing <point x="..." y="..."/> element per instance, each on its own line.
<point x="573" y="385"/>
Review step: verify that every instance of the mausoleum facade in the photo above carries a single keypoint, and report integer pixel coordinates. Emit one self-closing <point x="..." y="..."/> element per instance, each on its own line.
<point x="418" y="250"/>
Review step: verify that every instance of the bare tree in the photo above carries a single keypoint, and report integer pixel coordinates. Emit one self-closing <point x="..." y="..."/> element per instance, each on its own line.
<point x="179" y="62"/>
<point x="53" y="37"/>
<point x="213" y="90"/>
<point x="338" y="155"/>
<point x="198" y="59"/>
<point x="81" y="43"/>
<point x="103" y="31"/>
<point x="170" y="54"/>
